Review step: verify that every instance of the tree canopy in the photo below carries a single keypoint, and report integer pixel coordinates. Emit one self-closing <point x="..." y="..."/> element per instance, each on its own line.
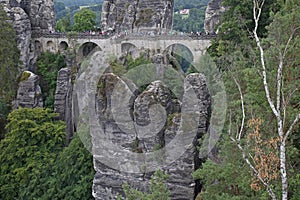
<point x="259" y="66"/>
<point x="84" y="20"/>
<point x="9" y="67"/>
<point x="9" y="57"/>
<point x="32" y="142"/>
<point x="35" y="162"/>
<point x="64" y="24"/>
<point x="48" y="65"/>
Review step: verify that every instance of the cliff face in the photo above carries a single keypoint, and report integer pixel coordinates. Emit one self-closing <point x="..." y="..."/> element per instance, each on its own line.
<point x="40" y="12"/>
<point x="63" y="100"/>
<point x="213" y="13"/>
<point x="42" y="15"/>
<point x="133" y="15"/>
<point x="28" y="15"/>
<point x="107" y="181"/>
<point x="128" y="123"/>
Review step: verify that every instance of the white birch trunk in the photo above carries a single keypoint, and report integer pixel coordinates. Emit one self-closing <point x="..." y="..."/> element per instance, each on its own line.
<point x="276" y="110"/>
<point x="284" y="179"/>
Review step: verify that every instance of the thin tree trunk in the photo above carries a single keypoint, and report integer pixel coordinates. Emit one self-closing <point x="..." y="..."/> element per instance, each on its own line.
<point x="284" y="179"/>
<point x="276" y="110"/>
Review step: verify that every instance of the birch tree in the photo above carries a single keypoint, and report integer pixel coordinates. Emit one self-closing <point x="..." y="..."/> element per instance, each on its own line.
<point x="279" y="102"/>
<point x="281" y="46"/>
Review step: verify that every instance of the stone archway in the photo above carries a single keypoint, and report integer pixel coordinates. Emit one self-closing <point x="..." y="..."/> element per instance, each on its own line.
<point x="38" y="47"/>
<point x="182" y="54"/>
<point x="63" y="45"/>
<point x="87" y="49"/>
<point x="50" y="46"/>
<point x="127" y="47"/>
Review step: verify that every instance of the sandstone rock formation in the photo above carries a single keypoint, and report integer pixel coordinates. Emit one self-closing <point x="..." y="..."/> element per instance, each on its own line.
<point x="22" y="27"/>
<point x="37" y="15"/>
<point x="155" y="93"/>
<point x="133" y="15"/>
<point x="29" y="92"/>
<point x="63" y="100"/>
<point x="42" y="15"/>
<point x="213" y="13"/>
<point x="40" y="12"/>
<point x="116" y="117"/>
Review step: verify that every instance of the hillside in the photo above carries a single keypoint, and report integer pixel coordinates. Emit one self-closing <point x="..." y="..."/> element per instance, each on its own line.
<point x="188" y="4"/>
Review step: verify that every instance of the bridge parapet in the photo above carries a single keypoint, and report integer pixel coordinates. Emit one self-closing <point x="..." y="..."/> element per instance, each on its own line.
<point x="167" y="37"/>
<point x="69" y="35"/>
<point x="120" y="38"/>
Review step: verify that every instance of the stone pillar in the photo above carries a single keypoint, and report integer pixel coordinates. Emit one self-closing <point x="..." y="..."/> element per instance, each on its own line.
<point x="143" y="138"/>
<point x="29" y="92"/>
<point x="63" y="100"/>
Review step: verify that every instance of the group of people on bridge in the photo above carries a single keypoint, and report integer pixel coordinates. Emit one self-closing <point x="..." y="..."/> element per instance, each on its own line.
<point x="123" y="34"/>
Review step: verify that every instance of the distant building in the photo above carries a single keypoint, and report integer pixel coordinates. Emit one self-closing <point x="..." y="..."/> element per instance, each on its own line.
<point x="184" y="13"/>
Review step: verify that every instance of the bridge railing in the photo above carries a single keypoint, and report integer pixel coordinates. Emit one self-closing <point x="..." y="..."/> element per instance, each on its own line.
<point x="166" y="37"/>
<point x="69" y="35"/>
<point x="135" y="36"/>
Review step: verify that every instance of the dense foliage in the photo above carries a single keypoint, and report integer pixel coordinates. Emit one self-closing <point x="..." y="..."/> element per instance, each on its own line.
<point x="48" y="65"/>
<point x="31" y="144"/>
<point x="84" y="20"/>
<point x="35" y="164"/>
<point x="157" y="189"/>
<point x="236" y="54"/>
<point x="64" y="24"/>
<point x="9" y="67"/>
<point x="65" y="14"/>
<point x="9" y="56"/>
<point x="194" y="22"/>
<point x="71" y="175"/>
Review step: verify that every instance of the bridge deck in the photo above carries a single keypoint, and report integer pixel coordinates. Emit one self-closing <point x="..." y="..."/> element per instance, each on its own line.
<point x="125" y="37"/>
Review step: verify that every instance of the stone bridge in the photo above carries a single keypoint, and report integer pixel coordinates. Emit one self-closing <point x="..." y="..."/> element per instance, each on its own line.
<point x="83" y="44"/>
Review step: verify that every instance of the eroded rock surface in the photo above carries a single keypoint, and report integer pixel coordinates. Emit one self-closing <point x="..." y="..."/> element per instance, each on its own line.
<point x="29" y="92"/>
<point x="63" y="99"/>
<point x="133" y="15"/>
<point x="28" y="16"/>
<point x="213" y="13"/>
<point x="119" y="107"/>
<point x="42" y="15"/>
<point x="22" y="27"/>
<point x="150" y="129"/>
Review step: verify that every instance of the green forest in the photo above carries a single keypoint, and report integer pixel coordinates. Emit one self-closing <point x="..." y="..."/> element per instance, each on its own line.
<point x="257" y="51"/>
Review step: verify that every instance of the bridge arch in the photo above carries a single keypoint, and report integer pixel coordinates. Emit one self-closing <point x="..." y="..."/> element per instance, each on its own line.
<point x="50" y="46"/>
<point x="127" y="47"/>
<point x="86" y="49"/>
<point x="38" y="46"/>
<point x="63" y="45"/>
<point x="182" y="54"/>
